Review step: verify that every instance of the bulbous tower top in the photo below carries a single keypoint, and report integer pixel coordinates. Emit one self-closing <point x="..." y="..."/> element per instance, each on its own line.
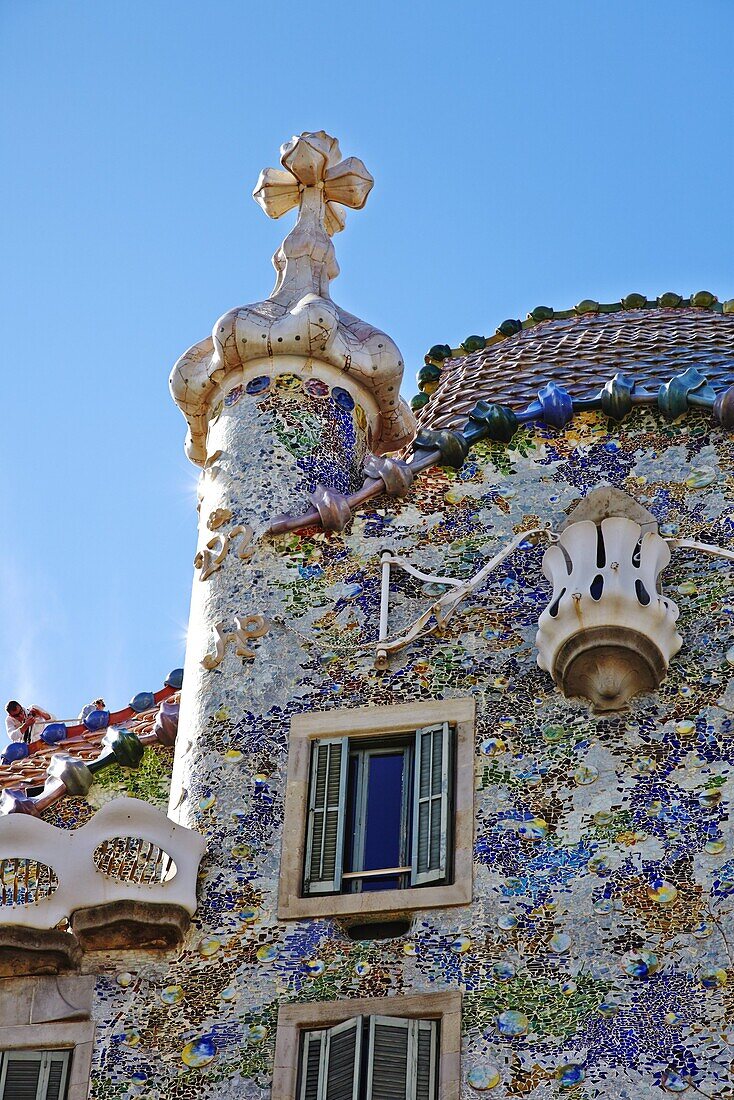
<point x="299" y="320"/>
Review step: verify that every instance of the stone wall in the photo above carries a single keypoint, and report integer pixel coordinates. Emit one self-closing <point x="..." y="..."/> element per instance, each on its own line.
<point x="593" y="956"/>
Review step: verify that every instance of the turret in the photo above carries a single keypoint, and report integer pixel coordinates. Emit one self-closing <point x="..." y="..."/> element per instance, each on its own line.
<point x="298" y="330"/>
<point x="286" y="402"/>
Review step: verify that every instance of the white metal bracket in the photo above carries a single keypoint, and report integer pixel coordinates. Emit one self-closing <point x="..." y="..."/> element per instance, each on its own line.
<point x="438" y="614"/>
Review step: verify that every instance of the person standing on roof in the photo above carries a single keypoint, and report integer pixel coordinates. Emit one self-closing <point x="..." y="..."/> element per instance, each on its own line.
<point x="98" y="704"/>
<point x="25" y="724"/>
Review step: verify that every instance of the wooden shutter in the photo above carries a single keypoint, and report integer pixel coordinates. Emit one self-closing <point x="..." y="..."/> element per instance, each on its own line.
<point x="431" y="804"/>
<point x="57" y="1068"/>
<point x="326" y="811"/>
<point x="343" y="1057"/>
<point x="426" y="1075"/>
<point x="21" y="1075"/>
<point x="401" y="1061"/>
<point x="388" y="1061"/>
<point x="330" y="1062"/>
<point x="34" y="1074"/>
<point x="313" y="1041"/>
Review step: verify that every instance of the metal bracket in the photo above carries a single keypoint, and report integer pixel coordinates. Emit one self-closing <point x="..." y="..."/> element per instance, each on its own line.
<point x="389" y="560"/>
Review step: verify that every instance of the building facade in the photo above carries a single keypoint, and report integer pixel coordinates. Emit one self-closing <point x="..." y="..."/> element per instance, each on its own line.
<point x="447" y="811"/>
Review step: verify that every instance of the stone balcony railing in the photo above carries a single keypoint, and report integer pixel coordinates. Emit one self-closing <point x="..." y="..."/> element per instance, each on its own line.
<point x="125" y="880"/>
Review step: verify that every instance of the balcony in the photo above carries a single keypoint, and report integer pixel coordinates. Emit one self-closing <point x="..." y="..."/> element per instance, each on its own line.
<point x="125" y="880"/>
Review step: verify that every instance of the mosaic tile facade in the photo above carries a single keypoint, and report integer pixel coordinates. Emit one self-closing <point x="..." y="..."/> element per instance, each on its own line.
<point x="595" y="959"/>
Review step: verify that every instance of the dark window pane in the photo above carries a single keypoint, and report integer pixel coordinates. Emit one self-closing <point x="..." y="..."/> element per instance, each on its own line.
<point x="384" y="882"/>
<point x="351" y="824"/>
<point x="382" y="842"/>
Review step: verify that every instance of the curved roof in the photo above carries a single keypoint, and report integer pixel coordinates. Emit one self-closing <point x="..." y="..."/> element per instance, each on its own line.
<point x="581" y="353"/>
<point x="30" y="771"/>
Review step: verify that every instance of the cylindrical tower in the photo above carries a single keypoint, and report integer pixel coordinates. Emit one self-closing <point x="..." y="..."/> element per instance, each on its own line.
<point x="285" y="402"/>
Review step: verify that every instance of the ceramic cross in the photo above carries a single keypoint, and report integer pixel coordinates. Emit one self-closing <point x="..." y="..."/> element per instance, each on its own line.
<point x="314" y="174"/>
<point x="316" y="180"/>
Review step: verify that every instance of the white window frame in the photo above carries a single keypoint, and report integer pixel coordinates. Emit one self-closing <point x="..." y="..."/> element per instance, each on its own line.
<point x="364" y="755"/>
<point x="346" y="826"/>
<point x="365" y="1030"/>
<point x="325" y="1038"/>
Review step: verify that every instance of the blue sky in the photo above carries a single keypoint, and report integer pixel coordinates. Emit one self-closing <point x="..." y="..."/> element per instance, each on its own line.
<point x="523" y="153"/>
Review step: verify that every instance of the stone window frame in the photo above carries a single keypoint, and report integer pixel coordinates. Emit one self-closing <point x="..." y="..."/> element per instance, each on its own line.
<point x="370" y="722"/>
<point x="76" y="1036"/>
<point x="295" y="1018"/>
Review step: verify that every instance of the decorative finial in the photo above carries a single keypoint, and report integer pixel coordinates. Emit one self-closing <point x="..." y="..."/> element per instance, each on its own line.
<point x="316" y="180"/>
<point x="313" y="161"/>
<point x="299" y="319"/>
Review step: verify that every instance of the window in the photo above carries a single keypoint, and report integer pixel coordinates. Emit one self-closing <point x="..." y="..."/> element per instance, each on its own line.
<point x="375" y="1057"/>
<point x="34" y="1074"/>
<point x="379" y="813"/>
<point x="46" y="1036"/>
<point x="375" y="1048"/>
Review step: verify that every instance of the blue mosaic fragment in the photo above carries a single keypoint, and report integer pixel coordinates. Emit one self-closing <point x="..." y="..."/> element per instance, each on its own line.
<point x="18" y="750"/>
<point x="144" y="700"/>
<point x="343" y="398"/>
<point x="258" y="385"/>
<point x="97" y="720"/>
<point x="174" y="679"/>
<point x="53" y="733"/>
